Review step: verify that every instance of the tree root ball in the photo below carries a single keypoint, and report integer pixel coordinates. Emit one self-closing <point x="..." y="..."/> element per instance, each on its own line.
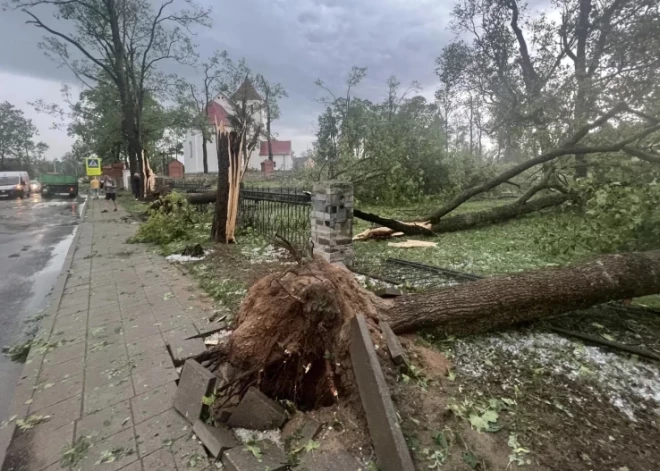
<point x="293" y="331"/>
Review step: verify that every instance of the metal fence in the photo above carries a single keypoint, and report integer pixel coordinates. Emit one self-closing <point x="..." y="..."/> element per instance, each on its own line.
<point x="270" y="211"/>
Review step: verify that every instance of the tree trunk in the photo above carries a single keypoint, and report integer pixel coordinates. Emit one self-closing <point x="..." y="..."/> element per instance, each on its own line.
<point x="468" y="220"/>
<point x="205" y="153"/>
<point x="268" y="136"/>
<point x="503" y="301"/>
<point x="218" y="229"/>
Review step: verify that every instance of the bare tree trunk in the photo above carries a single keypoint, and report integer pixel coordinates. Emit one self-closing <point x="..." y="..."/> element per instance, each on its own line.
<point x="205" y="153"/>
<point x="503" y="301"/>
<point x="218" y="229"/>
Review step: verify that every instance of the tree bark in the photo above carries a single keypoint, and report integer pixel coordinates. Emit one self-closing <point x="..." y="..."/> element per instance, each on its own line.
<point x="498" y="214"/>
<point x="218" y="229"/>
<point x="205" y="152"/>
<point x="504" y="301"/>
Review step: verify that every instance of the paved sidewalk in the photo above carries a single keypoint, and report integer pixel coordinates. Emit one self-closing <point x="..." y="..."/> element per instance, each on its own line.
<point x="112" y="379"/>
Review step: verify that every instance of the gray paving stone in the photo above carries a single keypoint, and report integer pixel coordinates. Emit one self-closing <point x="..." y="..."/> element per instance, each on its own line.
<point x="62" y="413"/>
<point x="397" y="353"/>
<point x="52" y="393"/>
<point x="256" y="411"/>
<point x="99" y="377"/>
<point x="147" y="379"/>
<point x="68" y="336"/>
<point x="49" y="451"/>
<point x="137" y="466"/>
<point x="122" y="445"/>
<point x="155" y="358"/>
<point x="53" y="373"/>
<point x="64" y="353"/>
<point x="182" y="350"/>
<point x="108" y="356"/>
<point x="160" y="430"/>
<point x="216" y="439"/>
<point x="299" y="430"/>
<point x="107" y="395"/>
<point x="195" y="383"/>
<point x="190" y="454"/>
<point x="153" y="402"/>
<point x="103" y="317"/>
<point x="162" y="459"/>
<point x="242" y="459"/>
<point x="329" y="461"/>
<point x="143" y="345"/>
<point x="140" y="327"/>
<point x="105" y="422"/>
<point x="391" y="450"/>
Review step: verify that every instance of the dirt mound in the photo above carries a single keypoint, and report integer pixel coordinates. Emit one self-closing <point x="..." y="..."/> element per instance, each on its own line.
<point x="293" y="331"/>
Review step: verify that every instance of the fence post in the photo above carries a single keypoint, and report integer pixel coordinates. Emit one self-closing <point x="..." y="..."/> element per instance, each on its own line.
<point x="332" y="221"/>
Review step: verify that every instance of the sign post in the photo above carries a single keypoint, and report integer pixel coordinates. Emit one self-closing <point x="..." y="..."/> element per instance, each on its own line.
<point x="93" y="166"/>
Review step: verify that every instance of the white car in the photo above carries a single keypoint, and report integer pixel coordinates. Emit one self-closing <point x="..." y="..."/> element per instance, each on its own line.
<point x="14" y="184"/>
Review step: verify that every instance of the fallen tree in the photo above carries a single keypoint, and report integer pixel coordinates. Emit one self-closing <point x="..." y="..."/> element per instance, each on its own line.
<point x="572" y="145"/>
<point x="292" y="330"/>
<point x="464" y="221"/>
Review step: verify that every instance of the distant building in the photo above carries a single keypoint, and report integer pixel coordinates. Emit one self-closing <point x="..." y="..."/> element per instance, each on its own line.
<point x="282" y="156"/>
<point x="175" y="169"/>
<point x="218" y="112"/>
<point x="303" y="162"/>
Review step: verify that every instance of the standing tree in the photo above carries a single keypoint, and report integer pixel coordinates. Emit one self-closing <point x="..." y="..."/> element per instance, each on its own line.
<point x="16" y="132"/>
<point x="272" y="92"/>
<point x="119" y="43"/>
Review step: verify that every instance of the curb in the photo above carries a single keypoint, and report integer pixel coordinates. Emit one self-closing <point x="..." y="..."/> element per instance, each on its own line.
<point x="28" y="379"/>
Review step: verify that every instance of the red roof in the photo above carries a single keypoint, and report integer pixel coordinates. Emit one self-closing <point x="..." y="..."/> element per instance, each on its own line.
<point x="217" y="114"/>
<point x="279" y="148"/>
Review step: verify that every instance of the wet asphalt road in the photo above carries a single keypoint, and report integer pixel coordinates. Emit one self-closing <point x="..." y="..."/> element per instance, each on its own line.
<point x="35" y="235"/>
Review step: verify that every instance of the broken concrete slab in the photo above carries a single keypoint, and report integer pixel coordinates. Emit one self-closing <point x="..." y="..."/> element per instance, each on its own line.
<point x="195" y="383"/>
<point x="300" y="430"/>
<point x="222" y="415"/>
<point x="388" y="292"/>
<point x="215" y="439"/>
<point x="263" y="455"/>
<point x="329" y="461"/>
<point x="256" y="411"/>
<point x="181" y="349"/>
<point x="391" y="450"/>
<point x="398" y="354"/>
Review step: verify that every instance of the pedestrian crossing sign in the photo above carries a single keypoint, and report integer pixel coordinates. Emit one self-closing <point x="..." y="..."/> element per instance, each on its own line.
<point x="93" y="166"/>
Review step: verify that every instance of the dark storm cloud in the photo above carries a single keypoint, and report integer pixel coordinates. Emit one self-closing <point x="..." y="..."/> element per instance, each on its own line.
<point x="293" y="42"/>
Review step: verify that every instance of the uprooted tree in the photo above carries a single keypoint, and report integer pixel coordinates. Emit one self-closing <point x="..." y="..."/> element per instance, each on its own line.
<point x="292" y="330"/>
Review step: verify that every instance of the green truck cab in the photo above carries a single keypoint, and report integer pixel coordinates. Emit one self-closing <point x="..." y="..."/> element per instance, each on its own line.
<point x="54" y="184"/>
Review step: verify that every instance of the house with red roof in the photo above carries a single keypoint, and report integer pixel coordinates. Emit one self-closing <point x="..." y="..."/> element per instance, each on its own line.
<point x="218" y="112"/>
<point x="282" y="155"/>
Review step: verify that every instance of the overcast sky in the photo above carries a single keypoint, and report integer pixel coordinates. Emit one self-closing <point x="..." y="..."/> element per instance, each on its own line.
<point x="290" y="41"/>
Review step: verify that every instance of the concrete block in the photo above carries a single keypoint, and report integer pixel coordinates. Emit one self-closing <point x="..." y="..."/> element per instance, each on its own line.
<point x="394" y="346"/>
<point x="195" y="383"/>
<point x="215" y="439"/>
<point x="256" y="411"/>
<point x="329" y="461"/>
<point x="300" y="430"/>
<point x="391" y="450"/>
<point x="182" y="349"/>
<point x="388" y="292"/>
<point x="242" y="459"/>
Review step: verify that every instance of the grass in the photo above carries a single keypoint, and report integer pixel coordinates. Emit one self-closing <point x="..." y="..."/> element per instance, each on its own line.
<point x="503" y="248"/>
<point x="129" y="203"/>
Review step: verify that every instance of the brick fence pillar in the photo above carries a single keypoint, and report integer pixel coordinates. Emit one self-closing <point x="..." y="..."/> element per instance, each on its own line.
<point x="332" y="221"/>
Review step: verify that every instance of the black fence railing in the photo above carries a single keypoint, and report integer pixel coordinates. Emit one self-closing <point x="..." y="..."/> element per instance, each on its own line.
<point x="271" y="211"/>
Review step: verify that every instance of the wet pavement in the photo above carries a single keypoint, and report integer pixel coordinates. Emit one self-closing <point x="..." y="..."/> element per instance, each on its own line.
<point x="35" y="235"/>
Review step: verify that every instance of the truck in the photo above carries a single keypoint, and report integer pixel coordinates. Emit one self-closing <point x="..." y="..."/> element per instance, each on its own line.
<point x="54" y="184"/>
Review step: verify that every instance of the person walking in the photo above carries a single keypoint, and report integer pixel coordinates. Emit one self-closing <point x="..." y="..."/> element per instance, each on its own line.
<point x="94" y="186"/>
<point x="110" y="186"/>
